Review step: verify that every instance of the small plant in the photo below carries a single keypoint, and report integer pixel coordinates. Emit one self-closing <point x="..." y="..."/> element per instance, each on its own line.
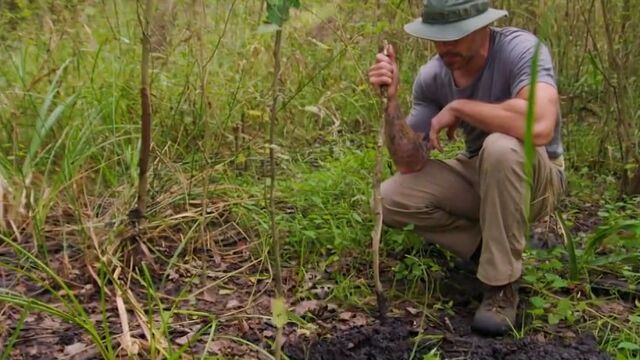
<point x="277" y="14"/>
<point x="139" y="212"/>
<point x="434" y="354"/>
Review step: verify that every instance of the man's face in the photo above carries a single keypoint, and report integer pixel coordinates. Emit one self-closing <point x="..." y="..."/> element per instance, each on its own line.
<point x="458" y="53"/>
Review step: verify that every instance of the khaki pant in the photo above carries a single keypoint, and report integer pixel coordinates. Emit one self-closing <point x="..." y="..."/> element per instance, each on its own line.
<point x="458" y="202"/>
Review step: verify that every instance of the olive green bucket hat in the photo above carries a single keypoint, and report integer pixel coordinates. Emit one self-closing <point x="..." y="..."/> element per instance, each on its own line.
<point x="448" y="20"/>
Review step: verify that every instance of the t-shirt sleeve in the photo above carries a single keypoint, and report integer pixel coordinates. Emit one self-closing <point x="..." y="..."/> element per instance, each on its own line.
<point x="423" y="107"/>
<point x="521" y="58"/>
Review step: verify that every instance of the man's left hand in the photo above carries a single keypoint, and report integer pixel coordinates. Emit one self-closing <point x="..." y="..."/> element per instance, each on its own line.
<point x="445" y="119"/>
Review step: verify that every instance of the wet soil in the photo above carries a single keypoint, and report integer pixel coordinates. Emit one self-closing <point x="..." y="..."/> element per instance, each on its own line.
<point x="395" y="340"/>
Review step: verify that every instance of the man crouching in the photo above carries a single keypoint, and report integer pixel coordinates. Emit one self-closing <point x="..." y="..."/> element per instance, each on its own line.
<point x="473" y="205"/>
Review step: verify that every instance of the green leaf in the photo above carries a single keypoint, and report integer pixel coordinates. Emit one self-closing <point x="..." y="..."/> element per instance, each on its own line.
<point x="564" y="307"/>
<point x="279" y="311"/>
<point x="278" y="10"/>
<point x="536" y="312"/>
<point x="310" y="234"/>
<point x="628" y="346"/>
<point x="620" y="356"/>
<point x="554" y="319"/>
<point x="559" y="283"/>
<point x="556" y="281"/>
<point x="356" y="217"/>
<point x="537" y="301"/>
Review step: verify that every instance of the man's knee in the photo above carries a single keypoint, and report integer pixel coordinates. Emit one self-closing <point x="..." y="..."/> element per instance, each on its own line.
<point x="394" y="202"/>
<point x="389" y="193"/>
<point x="500" y="151"/>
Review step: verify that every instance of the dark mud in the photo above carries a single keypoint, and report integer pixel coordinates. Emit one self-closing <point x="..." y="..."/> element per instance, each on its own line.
<point x="389" y="341"/>
<point x="532" y="347"/>
<point x="395" y="340"/>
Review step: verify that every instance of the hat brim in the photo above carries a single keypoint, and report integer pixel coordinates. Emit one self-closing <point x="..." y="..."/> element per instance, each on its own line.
<point x="453" y="31"/>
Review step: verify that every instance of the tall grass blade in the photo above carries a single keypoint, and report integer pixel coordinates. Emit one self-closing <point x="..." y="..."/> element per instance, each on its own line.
<point x="571" y="249"/>
<point x="6" y="352"/>
<point x="27" y="303"/>
<point x="607" y="231"/>
<point x="42" y="129"/>
<point x="42" y="132"/>
<point x="47" y="270"/>
<point x="44" y="122"/>
<point x="529" y="148"/>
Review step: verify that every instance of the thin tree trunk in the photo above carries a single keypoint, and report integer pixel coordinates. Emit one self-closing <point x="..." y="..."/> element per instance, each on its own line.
<point x="277" y="267"/>
<point x="204" y="107"/>
<point x="145" y="121"/>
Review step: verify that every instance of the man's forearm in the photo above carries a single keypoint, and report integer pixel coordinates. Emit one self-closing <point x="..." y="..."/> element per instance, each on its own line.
<point x="405" y="145"/>
<point x="507" y="117"/>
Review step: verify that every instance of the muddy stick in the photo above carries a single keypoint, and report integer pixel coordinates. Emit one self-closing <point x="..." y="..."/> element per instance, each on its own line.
<point x="377" y="205"/>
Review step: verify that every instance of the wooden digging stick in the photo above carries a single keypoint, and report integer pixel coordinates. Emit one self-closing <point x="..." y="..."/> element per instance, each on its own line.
<point x="377" y="205"/>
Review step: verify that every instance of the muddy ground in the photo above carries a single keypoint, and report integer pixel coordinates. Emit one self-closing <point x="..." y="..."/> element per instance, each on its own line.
<point x="407" y="335"/>
<point x="319" y="329"/>
<point x="392" y="340"/>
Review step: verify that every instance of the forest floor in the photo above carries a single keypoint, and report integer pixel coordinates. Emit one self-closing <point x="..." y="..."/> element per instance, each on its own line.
<point x="236" y="294"/>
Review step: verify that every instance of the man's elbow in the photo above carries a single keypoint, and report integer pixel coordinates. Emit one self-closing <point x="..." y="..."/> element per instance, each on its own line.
<point x="542" y="135"/>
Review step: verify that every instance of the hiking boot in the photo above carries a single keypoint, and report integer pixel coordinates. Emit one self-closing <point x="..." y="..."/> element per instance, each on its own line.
<point x="496" y="315"/>
<point x="469" y="266"/>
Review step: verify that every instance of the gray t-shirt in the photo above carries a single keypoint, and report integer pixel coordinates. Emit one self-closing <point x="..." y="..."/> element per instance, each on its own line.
<point x="507" y="71"/>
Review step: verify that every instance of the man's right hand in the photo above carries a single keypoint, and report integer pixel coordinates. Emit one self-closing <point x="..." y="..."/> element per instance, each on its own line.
<point x="385" y="72"/>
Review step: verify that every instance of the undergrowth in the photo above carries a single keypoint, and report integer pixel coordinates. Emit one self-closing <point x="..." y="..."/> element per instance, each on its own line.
<point x="69" y="144"/>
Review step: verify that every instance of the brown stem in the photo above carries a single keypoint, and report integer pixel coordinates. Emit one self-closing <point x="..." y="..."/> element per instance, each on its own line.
<point x="272" y="163"/>
<point x="204" y="119"/>
<point x="145" y="120"/>
<point x="377" y="206"/>
<point x="277" y="267"/>
<point x="377" y="203"/>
